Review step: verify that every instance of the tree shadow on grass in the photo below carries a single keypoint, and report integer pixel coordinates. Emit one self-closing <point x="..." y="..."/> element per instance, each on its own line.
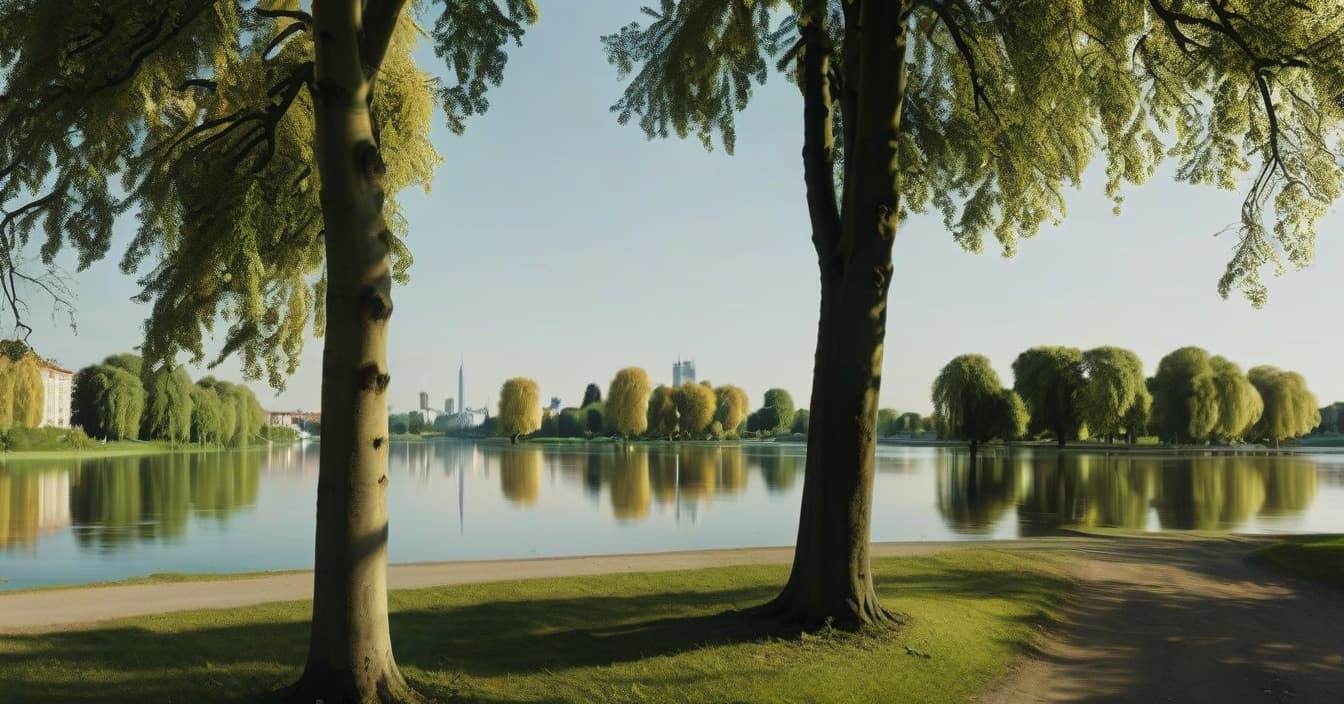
<point x="241" y="661"/>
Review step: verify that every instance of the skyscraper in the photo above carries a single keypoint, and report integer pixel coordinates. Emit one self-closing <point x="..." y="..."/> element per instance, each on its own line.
<point x="683" y="372"/>
<point x="462" y="385"/>
<point x="424" y="401"/>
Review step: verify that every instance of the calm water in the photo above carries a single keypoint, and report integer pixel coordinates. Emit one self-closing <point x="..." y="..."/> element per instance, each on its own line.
<point x="72" y="522"/>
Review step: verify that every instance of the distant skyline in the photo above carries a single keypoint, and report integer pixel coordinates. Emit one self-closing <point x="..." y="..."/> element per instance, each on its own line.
<point x="558" y="245"/>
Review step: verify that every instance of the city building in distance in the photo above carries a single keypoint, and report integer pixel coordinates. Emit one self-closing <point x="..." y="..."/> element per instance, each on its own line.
<point x="683" y="372"/>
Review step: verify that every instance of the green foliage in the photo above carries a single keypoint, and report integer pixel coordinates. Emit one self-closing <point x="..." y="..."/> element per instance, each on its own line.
<point x="279" y="434"/>
<point x="519" y="407"/>
<point x="1332" y="419"/>
<point x="240" y="417"/>
<point x="1050" y="381"/>
<point x="775" y="414"/>
<point x="168" y="405"/>
<point x="628" y="402"/>
<point x="399" y="423"/>
<point x="1004" y="106"/>
<point x="662" y="413"/>
<point x="19" y="439"/>
<point x="733" y="406"/>
<point x="108" y="402"/>
<point x="1115" y="383"/>
<point x="199" y="116"/>
<point x="972" y="404"/>
<point x="910" y="423"/>
<point x="887" y="422"/>
<point x="1316" y="557"/>
<point x="1239" y="403"/>
<point x="572" y="423"/>
<point x="695" y="407"/>
<point x="415" y="422"/>
<point x="207" y="416"/>
<point x="801" y="421"/>
<point x="594" y="417"/>
<point x="1289" y="406"/>
<point x="591" y="394"/>
<point x="22" y="393"/>
<point x="1185" y="400"/>
<point x="1139" y="416"/>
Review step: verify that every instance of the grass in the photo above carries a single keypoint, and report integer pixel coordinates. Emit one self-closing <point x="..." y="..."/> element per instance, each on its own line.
<point x="115" y="448"/>
<point x="649" y="637"/>
<point x="1315" y="557"/>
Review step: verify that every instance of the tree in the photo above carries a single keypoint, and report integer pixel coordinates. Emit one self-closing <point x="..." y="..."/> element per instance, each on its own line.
<point x="221" y="125"/>
<point x="1050" y="381"/>
<point x="572" y="423"/>
<point x="974" y="406"/>
<point x="910" y="423"/>
<point x="662" y="413"/>
<point x="1289" y="406"/>
<point x="519" y="407"/>
<point x="628" y="402"/>
<point x="1114" y="382"/>
<point x="168" y="405"/>
<point x="415" y="422"/>
<point x="984" y="112"/>
<point x="591" y="394"/>
<point x="399" y="424"/>
<point x="22" y="394"/>
<point x="777" y="411"/>
<point x="207" y="421"/>
<point x="695" y="407"/>
<point x="1186" y="400"/>
<point x="108" y="402"/>
<point x="733" y="405"/>
<point x="594" y="417"/>
<point x="887" y="422"/>
<point x="801" y="418"/>
<point x="1239" y="403"/>
<point x="1138" y="417"/>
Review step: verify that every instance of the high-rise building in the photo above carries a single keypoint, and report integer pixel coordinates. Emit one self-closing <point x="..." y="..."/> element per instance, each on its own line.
<point x="448" y="407"/>
<point x="462" y="386"/>
<point x="683" y="372"/>
<point x="424" y="401"/>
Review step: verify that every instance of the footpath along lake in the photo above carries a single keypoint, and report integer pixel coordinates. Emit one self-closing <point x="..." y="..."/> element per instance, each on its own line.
<point x="77" y="521"/>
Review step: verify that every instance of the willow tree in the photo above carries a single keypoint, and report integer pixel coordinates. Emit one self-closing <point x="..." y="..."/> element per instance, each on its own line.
<point x="1050" y="381"/>
<point x="262" y="147"/>
<point x="21" y="391"/>
<point x="695" y="407"/>
<point x="519" y="407"/>
<point x="168" y="405"/>
<point x="107" y="401"/>
<point x="1289" y="406"/>
<point x="985" y="111"/>
<point x="973" y="404"/>
<point x="1114" y="385"/>
<point x="733" y="407"/>
<point x="1239" y="402"/>
<point x="662" y="412"/>
<point x="628" y="402"/>
<point x="1185" y="398"/>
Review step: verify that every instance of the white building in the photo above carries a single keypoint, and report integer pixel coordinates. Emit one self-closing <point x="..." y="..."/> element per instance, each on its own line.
<point x="57" y="388"/>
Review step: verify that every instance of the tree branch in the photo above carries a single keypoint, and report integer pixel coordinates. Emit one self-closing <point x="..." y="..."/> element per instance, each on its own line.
<point x="380" y="21"/>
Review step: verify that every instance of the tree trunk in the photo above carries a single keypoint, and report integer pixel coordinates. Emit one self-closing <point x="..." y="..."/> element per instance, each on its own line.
<point x="350" y="651"/>
<point x="831" y="579"/>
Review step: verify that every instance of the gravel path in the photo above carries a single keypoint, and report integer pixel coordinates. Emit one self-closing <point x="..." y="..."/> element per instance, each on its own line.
<point x="1185" y="620"/>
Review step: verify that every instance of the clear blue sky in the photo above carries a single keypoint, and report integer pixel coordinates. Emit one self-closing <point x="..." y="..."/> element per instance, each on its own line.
<point x="558" y="245"/>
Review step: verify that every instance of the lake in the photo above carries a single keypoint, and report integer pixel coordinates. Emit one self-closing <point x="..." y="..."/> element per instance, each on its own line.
<point x="80" y="521"/>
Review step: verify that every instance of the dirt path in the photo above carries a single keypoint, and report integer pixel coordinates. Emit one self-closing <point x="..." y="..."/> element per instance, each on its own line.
<point x="1185" y="620"/>
<point x="64" y="609"/>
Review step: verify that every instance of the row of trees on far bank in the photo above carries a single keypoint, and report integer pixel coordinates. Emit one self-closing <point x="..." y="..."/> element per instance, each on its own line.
<point x="635" y="408"/>
<point x="1065" y="394"/>
<point x="119" y="399"/>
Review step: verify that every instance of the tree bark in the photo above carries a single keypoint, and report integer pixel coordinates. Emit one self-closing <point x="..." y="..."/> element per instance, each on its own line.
<point x="831" y="579"/>
<point x="350" y="650"/>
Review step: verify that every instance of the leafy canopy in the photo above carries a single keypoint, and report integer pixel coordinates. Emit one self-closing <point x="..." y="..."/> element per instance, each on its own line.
<point x="197" y="116"/>
<point x="1006" y="104"/>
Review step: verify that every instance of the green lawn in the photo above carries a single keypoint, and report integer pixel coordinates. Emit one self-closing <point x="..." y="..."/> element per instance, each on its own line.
<point x="1318" y="557"/>
<point x="656" y="637"/>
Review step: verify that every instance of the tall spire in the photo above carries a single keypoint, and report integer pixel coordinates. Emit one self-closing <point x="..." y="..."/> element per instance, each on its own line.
<point x="461" y="386"/>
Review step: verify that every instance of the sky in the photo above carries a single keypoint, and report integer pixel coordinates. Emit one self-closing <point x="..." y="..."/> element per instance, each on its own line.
<point x="558" y="245"/>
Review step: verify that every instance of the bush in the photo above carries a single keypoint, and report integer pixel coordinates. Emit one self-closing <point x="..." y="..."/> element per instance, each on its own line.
<point x="27" y="439"/>
<point x="279" y="433"/>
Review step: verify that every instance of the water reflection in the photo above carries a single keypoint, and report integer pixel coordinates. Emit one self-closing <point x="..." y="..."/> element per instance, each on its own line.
<point x="1057" y="491"/>
<point x="242" y="511"/>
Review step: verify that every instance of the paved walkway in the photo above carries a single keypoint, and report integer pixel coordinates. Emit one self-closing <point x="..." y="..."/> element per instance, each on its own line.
<point x="1185" y="620"/>
<point x="61" y="609"/>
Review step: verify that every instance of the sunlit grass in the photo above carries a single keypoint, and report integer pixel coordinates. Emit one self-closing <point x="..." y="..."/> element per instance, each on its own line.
<point x="649" y="637"/>
<point x="1316" y="557"/>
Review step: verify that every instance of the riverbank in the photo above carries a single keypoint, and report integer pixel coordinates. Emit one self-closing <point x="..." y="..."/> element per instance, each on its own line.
<point x="615" y="635"/>
<point x="118" y="448"/>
